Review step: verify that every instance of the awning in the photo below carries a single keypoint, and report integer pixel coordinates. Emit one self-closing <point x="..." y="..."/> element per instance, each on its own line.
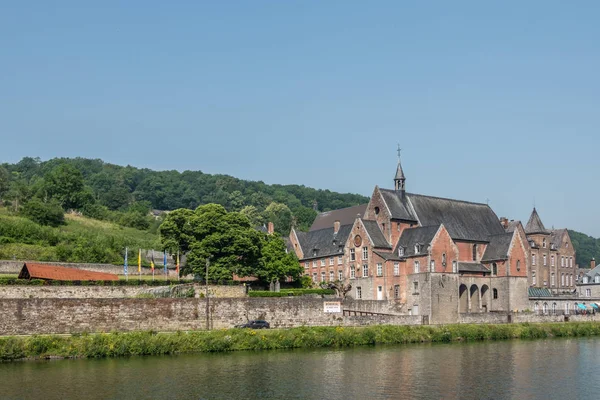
<point x="595" y="306"/>
<point x="581" y="306"/>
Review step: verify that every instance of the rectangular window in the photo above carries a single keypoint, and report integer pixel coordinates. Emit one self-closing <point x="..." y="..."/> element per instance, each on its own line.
<point x="533" y="277"/>
<point x="331" y="260"/>
<point x="552" y="261"/>
<point x="562" y="261"/>
<point x="314" y="263"/>
<point x="545" y="263"/>
<point x="454" y="266"/>
<point x="588" y="292"/>
<point x="415" y="287"/>
<point x="340" y="260"/>
<point x="365" y="271"/>
<point x="352" y="255"/>
<point x="315" y="277"/>
<point x="340" y="275"/>
<point x="416" y="267"/>
<point x="533" y="259"/>
<point x="396" y="269"/>
<point x="322" y="262"/>
<point x="358" y="292"/>
<point x="396" y="291"/>
<point x="306" y="265"/>
<point x="323" y="276"/>
<point x="432" y="265"/>
<point x="352" y="272"/>
<point x="570" y="262"/>
<point x="552" y="279"/>
<point x="331" y="276"/>
<point x="379" y="269"/>
<point x="365" y="253"/>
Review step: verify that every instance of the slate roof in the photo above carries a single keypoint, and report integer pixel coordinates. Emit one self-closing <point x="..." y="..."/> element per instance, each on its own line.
<point x="56" y="273"/>
<point x="556" y="237"/>
<point x="512" y="226"/>
<point x="375" y="234"/>
<point x="346" y="216"/>
<point x="399" y="172"/>
<point x="498" y="247"/>
<point x="593" y="272"/>
<point x="463" y="220"/>
<point x="472" y="267"/>
<point x="387" y="255"/>
<point x="398" y="205"/>
<point x="539" y="292"/>
<point x="324" y="241"/>
<point x="412" y="236"/>
<point x="535" y="224"/>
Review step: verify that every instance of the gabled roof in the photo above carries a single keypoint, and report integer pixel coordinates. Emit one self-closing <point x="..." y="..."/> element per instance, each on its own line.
<point x="56" y="273"/>
<point x="324" y="241"/>
<point x="375" y="234"/>
<point x="498" y="247"/>
<point x="413" y="236"/>
<point x="593" y="272"/>
<point x="472" y="267"/>
<point x="398" y="205"/>
<point x="346" y="216"/>
<point x="387" y="255"/>
<point x="463" y="220"/>
<point x="535" y="224"/>
<point x="512" y="226"/>
<point x="399" y="172"/>
<point x="556" y="237"/>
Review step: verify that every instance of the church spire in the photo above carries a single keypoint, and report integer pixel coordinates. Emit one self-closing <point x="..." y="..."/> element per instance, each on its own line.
<point x="400" y="179"/>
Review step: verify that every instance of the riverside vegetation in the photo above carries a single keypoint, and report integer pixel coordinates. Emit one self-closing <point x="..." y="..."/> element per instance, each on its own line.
<point x="153" y="343"/>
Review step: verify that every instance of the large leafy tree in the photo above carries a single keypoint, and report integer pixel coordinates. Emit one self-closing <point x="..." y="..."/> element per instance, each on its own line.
<point x="281" y="216"/>
<point x="65" y="184"/>
<point x="276" y="263"/>
<point x="4" y="182"/>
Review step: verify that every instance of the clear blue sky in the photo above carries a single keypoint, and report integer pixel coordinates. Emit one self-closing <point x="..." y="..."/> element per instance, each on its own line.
<point x="489" y="101"/>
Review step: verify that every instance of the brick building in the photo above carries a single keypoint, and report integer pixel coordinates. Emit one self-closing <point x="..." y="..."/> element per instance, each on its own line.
<point x="436" y="257"/>
<point x="551" y="255"/>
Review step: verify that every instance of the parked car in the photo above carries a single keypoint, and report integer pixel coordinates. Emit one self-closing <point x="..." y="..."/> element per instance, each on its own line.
<point x="255" y="324"/>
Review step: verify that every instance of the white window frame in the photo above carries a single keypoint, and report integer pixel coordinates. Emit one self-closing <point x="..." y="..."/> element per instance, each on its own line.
<point x="585" y="279"/>
<point x="455" y="266"/>
<point x="588" y="292"/>
<point x="432" y="265"/>
<point x="533" y="259"/>
<point x="352" y="255"/>
<point x="597" y="279"/>
<point x="365" y="271"/>
<point x="379" y="269"/>
<point x="570" y="262"/>
<point x="340" y="275"/>
<point x="314" y="263"/>
<point x="365" y="253"/>
<point x="306" y="265"/>
<point x="331" y="276"/>
<point x="359" y="292"/>
<point x="545" y="260"/>
<point x="352" y="272"/>
<point x="552" y="263"/>
<point x="552" y="279"/>
<point x="417" y="267"/>
<point x="340" y="260"/>
<point x="396" y="269"/>
<point x="331" y="260"/>
<point x="533" y="278"/>
<point x="400" y="251"/>
<point x="322" y="276"/>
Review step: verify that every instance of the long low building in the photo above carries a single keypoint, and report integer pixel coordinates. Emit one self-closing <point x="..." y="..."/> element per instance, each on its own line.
<point x="56" y="273"/>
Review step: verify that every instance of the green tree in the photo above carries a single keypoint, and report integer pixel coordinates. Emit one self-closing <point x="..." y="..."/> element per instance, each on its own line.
<point x="176" y="231"/>
<point x="304" y="218"/>
<point x="281" y="216"/>
<point x="50" y="213"/>
<point x="276" y="263"/>
<point x="65" y="184"/>
<point x="251" y="212"/>
<point x="4" y="183"/>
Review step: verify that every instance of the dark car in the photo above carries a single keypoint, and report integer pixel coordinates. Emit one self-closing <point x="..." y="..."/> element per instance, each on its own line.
<point x="255" y="324"/>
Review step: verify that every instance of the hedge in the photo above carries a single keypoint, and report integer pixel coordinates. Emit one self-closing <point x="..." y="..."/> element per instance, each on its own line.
<point x="290" y="292"/>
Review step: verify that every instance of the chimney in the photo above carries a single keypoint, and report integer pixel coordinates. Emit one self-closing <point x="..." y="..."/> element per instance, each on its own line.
<point x="504" y="222"/>
<point x="593" y="263"/>
<point x="336" y="226"/>
<point x="270" y="228"/>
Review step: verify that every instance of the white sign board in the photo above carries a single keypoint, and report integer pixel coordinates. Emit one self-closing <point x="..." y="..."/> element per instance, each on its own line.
<point x="332" y="306"/>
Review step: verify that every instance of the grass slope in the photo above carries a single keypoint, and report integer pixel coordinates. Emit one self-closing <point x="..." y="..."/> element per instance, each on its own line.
<point x="80" y="240"/>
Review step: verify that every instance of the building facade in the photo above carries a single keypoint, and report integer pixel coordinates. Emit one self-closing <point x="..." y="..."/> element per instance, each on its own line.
<point x="436" y="257"/>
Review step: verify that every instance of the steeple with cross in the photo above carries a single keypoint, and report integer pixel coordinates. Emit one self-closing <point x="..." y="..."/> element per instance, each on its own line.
<point x="400" y="179"/>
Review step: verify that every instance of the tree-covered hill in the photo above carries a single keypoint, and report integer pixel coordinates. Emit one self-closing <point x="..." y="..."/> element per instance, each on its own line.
<point x="126" y="194"/>
<point x="586" y="246"/>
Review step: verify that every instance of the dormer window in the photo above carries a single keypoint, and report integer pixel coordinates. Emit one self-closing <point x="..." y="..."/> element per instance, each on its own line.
<point x="417" y="248"/>
<point x="400" y="251"/>
<point x="376" y="210"/>
<point x="315" y="251"/>
<point x="585" y="279"/>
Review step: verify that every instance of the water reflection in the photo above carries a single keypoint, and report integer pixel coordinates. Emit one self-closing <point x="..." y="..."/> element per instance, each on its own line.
<point x="543" y="369"/>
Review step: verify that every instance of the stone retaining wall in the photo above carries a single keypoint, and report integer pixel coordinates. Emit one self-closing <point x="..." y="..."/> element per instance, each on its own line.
<point x="107" y="292"/>
<point x="43" y="316"/>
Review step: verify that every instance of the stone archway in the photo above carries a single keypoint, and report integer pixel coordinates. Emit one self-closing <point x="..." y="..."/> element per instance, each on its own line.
<point x="463" y="302"/>
<point x="485" y="298"/>
<point x="475" y="305"/>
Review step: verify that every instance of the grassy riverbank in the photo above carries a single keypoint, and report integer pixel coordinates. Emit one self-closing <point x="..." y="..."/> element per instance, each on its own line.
<point x="152" y="343"/>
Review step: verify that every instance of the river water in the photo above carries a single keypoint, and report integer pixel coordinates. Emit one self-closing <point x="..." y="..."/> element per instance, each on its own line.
<point x="540" y="369"/>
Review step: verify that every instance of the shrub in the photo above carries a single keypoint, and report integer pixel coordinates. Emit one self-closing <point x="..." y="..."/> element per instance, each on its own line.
<point x="50" y="213"/>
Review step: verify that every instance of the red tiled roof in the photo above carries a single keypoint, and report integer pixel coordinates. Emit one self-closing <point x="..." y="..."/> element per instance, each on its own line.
<point x="52" y="272"/>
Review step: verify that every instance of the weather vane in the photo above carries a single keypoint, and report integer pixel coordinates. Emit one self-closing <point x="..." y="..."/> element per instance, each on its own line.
<point x="399" y="150"/>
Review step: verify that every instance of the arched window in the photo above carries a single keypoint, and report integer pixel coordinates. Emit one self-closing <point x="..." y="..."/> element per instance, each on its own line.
<point x="518" y="265"/>
<point x="553" y="308"/>
<point x="454" y="266"/>
<point x="443" y="259"/>
<point x="545" y="308"/>
<point x="544" y="243"/>
<point x="432" y="265"/>
<point x="495" y="291"/>
<point x="536" y="307"/>
<point x="475" y="252"/>
<point x="494" y="269"/>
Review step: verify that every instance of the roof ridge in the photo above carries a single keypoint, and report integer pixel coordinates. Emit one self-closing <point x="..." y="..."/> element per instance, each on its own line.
<point x="439" y="198"/>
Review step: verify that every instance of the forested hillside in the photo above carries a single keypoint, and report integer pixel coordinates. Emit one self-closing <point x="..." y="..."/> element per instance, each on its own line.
<point x="125" y="195"/>
<point x="586" y="246"/>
